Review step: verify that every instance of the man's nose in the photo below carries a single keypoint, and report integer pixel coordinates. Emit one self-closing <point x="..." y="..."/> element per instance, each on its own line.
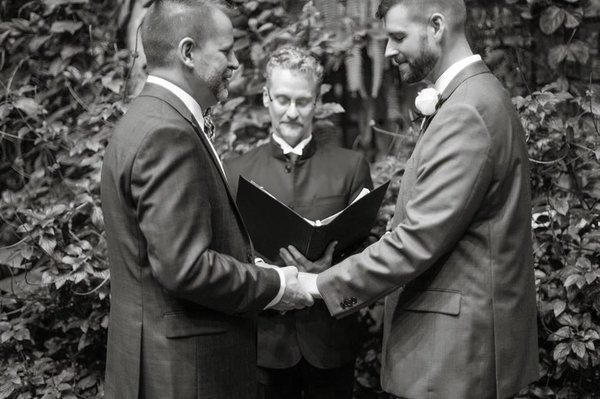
<point x="233" y="62"/>
<point x="292" y="111"/>
<point x="390" y="50"/>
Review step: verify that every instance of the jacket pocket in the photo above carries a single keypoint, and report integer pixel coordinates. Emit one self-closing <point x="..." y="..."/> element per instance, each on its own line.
<point x="180" y="325"/>
<point x="436" y="301"/>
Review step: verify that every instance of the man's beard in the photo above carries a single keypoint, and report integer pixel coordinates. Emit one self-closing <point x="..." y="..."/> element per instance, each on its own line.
<point x="219" y="87"/>
<point x="420" y="67"/>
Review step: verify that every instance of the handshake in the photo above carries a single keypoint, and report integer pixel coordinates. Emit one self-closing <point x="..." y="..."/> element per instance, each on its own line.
<point x="294" y="295"/>
<point x="299" y="290"/>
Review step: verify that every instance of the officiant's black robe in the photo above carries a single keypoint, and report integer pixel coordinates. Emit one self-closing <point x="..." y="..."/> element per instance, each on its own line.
<point x="322" y="181"/>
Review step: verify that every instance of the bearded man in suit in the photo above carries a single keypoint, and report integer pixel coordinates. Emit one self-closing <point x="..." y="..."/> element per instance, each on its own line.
<point x="305" y="353"/>
<point x="181" y="261"/>
<point x="464" y="326"/>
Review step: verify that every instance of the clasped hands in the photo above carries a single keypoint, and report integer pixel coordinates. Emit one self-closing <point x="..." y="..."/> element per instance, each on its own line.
<point x="294" y="296"/>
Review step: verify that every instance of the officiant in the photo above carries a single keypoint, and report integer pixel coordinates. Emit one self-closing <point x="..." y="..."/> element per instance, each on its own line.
<point x="305" y="353"/>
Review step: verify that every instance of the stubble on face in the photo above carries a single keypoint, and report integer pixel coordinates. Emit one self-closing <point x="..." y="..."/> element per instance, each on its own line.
<point x="213" y="60"/>
<point x="421" y="66"/>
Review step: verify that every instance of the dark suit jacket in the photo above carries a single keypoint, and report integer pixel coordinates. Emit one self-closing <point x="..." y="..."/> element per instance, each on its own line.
<point x="180" y="261"/>
<point x="323" y="181"/>
<point x="465" y="324"/>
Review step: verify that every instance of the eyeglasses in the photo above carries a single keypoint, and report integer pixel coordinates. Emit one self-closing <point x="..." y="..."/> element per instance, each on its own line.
<point x="302" y="103"/>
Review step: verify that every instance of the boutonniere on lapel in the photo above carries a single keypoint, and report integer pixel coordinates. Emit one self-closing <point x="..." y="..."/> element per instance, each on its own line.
<point x="427" y="102"/>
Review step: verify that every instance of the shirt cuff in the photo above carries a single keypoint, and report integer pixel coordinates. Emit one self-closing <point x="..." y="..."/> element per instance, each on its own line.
<point x="261" y="263"/>
<point x="308" y="282"/>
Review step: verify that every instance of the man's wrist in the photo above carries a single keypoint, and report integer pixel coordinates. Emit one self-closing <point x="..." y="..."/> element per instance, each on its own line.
<point x="277" y="298"/>
<point x="308" y="282"/>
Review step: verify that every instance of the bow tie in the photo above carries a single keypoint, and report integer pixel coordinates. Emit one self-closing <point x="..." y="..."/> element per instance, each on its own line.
<point x="209" y="126"/>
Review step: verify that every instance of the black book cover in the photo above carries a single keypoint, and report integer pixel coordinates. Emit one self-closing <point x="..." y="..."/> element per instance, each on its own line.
<point x="273" y="225"/>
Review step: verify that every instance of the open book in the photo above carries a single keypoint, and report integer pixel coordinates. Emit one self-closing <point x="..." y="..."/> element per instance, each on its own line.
<point x="273" y="225"/>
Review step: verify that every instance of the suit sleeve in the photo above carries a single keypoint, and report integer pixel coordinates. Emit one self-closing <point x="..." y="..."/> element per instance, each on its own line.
<point x="454" y="170"/>
<point x="169" y="184"/>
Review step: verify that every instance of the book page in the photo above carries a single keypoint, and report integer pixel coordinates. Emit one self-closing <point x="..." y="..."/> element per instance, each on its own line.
<point x="329" y="219"/>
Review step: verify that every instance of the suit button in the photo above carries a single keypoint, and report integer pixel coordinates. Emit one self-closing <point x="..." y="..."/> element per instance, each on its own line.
<point x="354" y="300"/>
<point x="343" y="305"/>
<point x="348" y="302"/>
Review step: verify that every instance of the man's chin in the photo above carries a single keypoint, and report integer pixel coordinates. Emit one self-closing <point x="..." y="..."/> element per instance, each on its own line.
<point x="222" y="94"/>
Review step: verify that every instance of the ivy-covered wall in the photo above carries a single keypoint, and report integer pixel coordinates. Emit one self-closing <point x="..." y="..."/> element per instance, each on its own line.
<point x="64" y="70"/>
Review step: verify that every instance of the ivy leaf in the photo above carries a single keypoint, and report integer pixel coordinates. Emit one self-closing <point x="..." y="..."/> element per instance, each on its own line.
<point x="65" y="26"/>
<point x="69" y="51"/>
<point x="578" y="348"/>
<point x="572" y="20"/>
<point x="561" y="205"/>
<point x="86" y="382"/>
<point x="562" y="334"/>
<point x="557" y="54"/>
<point x="37" y="42"/>
<point x="552" y="18"/>
<point x="29" y="106"/>
<point x="22" y="334"/>
<point x="327" y="109"/>
<point x="590" y="345"/>
<point x="579" y="51"/>
<point x="559" y="307"/>
<point x="47" y="244"/>
<point x="591" y="334"/>
<point x="561" y="351"/>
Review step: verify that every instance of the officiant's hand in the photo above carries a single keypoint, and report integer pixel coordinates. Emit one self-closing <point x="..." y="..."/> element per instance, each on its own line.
<point x="291" y="256"/>
<point x="294" y="297"/>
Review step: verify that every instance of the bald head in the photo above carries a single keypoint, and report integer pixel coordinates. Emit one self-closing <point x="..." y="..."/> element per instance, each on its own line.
<point x="454" y="11"/>
<point x="168" y="21"/>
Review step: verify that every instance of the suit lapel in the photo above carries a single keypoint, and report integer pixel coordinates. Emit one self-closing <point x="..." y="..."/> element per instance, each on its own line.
<point x="152" y="90"/>
<point x="471" y="70"/>
<point x="474" y="69"/>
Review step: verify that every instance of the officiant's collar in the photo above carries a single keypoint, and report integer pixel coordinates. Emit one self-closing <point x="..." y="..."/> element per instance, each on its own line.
<point x="445" y="78"/>
<point x="281" y="149"/>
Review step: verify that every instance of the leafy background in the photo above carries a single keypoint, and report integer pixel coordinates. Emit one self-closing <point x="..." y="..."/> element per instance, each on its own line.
<point x="69" y="67"/>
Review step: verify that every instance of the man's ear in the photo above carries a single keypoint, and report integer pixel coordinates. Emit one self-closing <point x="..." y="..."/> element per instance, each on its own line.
<point x="437" y="26"/>
<point x="184" y="51"/>
<point x="266" y="99"/>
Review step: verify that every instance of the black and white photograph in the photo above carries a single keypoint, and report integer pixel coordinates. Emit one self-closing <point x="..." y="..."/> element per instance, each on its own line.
<point x="300" y="199"/>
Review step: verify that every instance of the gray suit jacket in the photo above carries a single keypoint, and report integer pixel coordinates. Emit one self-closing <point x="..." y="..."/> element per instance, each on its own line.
<point x="323" y="181"/>
<point x="180" y="261"/>
<point x="465" y="324"/>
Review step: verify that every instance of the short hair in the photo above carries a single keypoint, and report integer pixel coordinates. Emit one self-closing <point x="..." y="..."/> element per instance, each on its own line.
<point x="454" y="10"/>
<point x="295" y="59"/>
<point x="168" y="21"/>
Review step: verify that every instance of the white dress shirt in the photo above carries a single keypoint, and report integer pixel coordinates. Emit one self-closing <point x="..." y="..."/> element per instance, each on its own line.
<point x="308" y="281"/>
<point x="193" y="106"/>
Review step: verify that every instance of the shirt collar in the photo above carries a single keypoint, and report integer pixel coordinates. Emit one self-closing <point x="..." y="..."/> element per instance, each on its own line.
<point x="442" y="82"/>
<point x="185" y="98"/>
<point x="286" y="148"/>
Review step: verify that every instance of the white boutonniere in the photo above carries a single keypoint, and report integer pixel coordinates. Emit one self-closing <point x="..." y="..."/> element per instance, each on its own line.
<point x="426" y="103"/>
